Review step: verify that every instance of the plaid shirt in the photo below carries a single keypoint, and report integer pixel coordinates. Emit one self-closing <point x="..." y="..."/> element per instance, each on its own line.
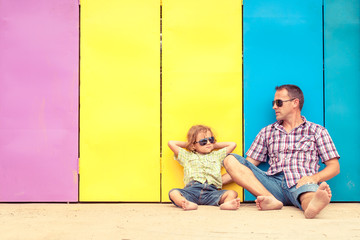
<point x="296" y="153"/>
<point x="202" y="167"/>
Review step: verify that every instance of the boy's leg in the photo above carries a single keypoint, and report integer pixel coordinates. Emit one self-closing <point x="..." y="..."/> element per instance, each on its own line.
<point x="229" y="201"/>
<point x="313" y="202"/>
<point x="180" y="201"/>
<point x="242" y="172"/>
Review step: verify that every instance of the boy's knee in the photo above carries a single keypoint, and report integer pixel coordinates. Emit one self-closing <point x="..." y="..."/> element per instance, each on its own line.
<point x="173" y="193"/>
<point x="229" y="194"/>
<point x="233" y="193"/>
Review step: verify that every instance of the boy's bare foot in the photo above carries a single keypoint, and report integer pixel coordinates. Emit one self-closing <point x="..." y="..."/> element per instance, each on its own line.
<point x="268" y="203"/>
<point x="187" y="205"/>
<point x="320" y="200"/>
<point x="231" y="205"/>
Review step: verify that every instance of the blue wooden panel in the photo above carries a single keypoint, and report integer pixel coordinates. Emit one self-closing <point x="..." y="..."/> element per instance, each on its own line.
<point x="282" y="44"/>
<point x="342" y="87"/>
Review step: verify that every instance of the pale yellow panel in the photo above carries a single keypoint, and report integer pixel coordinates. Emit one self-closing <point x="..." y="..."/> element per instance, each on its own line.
<point x="202" y="76"/>
<point x="120" y="100"/>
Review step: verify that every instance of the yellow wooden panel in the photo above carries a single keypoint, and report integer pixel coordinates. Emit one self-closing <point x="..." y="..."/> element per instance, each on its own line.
<point x="202" y="76"/>
<point x="120" y="100"/>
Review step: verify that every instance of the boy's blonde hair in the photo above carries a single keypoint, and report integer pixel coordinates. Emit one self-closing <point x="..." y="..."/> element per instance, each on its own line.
<point x="192" y="134"/>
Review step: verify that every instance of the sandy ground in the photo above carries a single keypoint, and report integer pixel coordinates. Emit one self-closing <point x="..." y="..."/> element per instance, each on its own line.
<point x="164" y="221"/>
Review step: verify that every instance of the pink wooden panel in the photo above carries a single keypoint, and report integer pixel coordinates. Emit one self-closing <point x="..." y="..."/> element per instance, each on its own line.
<point x="39" y="100"/>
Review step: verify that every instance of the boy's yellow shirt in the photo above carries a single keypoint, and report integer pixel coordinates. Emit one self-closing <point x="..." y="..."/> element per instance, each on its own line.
<point x="202" y="167"/>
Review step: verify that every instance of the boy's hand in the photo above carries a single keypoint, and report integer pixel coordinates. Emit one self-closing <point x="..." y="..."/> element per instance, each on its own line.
<point x="174" y="146"/>
<point x="230" y="146"/>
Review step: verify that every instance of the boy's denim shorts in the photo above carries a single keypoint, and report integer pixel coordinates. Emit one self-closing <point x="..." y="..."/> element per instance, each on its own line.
<point x="200" y="193"/>
<point x="276" y="184"/>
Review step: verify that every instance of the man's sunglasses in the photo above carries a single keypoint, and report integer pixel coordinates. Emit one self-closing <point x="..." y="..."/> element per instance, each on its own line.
<point x="280" y="102"/>
<point x="204" y="141"/>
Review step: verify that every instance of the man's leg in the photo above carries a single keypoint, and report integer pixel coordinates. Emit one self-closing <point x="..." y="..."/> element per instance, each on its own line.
<point x="313" y="202"/>
<point x="244" y="176"/>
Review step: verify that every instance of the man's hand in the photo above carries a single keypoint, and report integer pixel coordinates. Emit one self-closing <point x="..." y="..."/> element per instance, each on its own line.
<point x="331" y="170"/>
<point x="306" y="180"/>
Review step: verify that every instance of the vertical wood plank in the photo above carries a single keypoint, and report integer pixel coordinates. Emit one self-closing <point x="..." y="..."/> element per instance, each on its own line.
<point x="202" y="76"/>
<point x="282" y="45"/>
<point x="39" y="101"/>
<point x="120" y="101"/>
<point x="342" y="86"/>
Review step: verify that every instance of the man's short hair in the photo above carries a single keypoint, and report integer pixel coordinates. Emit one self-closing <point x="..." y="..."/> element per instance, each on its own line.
<point x="293" y="92"/>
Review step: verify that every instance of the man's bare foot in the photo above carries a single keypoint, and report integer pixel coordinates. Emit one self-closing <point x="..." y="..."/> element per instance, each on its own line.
<point x="320" y="200"/>
<point x="231" y="205"/>
<point x="268" y="203"/>
<point x="187" y="205"/>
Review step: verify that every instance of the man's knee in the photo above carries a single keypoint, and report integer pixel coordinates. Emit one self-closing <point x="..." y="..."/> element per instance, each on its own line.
<point x="230" y="161"/>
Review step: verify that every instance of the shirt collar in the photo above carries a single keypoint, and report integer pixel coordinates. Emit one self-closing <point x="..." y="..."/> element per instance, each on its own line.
<point x="278" y="124"/>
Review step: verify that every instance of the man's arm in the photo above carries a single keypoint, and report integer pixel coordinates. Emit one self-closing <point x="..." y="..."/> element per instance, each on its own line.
<point x="253" y="161"/>
<point x="331" y="170"/>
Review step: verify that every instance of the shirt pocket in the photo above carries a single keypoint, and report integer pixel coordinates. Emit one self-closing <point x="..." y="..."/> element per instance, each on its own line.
<point x="212" y="165"/>
<point x="305" y="144"/>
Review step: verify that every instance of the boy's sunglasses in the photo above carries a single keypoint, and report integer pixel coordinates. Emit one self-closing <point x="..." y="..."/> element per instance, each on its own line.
<point x="204" y="141"/>
<point x="280" y="102"/>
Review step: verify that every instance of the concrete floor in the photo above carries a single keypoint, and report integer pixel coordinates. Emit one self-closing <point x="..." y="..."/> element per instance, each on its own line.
<point x="122" y="221"/>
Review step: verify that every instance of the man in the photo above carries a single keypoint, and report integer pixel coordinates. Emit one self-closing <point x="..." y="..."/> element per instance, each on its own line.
<point x="293" y="146"/>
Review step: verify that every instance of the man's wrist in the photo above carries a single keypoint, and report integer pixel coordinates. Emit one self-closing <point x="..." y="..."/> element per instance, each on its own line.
<point x="316" y="178"/>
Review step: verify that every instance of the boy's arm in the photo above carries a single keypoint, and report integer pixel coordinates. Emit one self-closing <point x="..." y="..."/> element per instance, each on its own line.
<point x="174" y="146"/>
<point x="230" y="146"/>
<point x="226" y="179"/>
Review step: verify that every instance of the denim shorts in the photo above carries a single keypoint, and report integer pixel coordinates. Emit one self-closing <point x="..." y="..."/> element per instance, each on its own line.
<point x="276" y="184"/>
<point x="200" y="193"/>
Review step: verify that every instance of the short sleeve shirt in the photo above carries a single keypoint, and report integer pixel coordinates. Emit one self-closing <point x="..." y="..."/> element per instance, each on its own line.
<point x="202" y="167"/>
<point x="297" y="153"/>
